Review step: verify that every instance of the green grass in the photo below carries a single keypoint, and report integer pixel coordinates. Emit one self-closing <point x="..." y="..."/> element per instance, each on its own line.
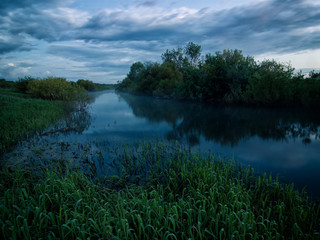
<point x="22" y="116"/>
<point x="155" y="192"/>
<point x="158" y="192"/>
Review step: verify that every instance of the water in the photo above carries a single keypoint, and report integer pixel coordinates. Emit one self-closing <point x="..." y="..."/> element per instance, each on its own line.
<point x="283" y="142"/>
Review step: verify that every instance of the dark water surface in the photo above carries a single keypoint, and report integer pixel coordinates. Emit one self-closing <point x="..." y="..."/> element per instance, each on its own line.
<point x="283" y="142"/>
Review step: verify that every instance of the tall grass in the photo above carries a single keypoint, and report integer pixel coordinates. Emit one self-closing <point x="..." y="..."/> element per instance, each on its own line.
<point x="180" y="195"/>
<point x="21" y="117"/>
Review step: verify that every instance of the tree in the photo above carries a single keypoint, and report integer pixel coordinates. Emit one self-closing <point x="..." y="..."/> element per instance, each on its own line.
<point x="135" y="70"/>
<point x="174" y="58"/>
<point x="193" y="52"/>
<point x="86" y="84"/>
<point x="270" y="84"/>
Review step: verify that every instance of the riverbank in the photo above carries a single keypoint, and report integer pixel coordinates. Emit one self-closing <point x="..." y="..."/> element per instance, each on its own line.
<point x="226" y="77"/>
<point x="154" y="190"/>
<point x="159" y="192"/>
<point x="23" y="116"/>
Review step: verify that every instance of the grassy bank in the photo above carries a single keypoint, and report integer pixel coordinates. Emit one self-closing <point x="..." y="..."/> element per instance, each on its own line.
<point x="157" y="192"/>
<point x="22" y="116"/>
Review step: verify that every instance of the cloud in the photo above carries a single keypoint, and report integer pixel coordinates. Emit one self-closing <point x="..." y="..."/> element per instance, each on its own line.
<point x="8" y="44"/>
<point x="49" y="25"/>
<point x="11" y="70"/>
<point x="8" y="5"/>
<point x="264" y="27"/>
<point x="148" y="3"/>
<point x="268" y="26"/>
<point x="110" y="40"/>
<point x="105" y="58"/>
<point x="137" y="24"/>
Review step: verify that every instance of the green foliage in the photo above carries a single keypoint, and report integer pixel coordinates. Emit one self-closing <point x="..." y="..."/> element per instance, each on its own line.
<point x="53" y="88"/>
<point x="269" y="83"/>
<point x="91" y="86"/>
<point x="193" y="52"/>
<point x="22" y="85"/>
<point x="6" y="84"/>
<point x="185" y="196"/>
<point x="227" y="77"/>
<point x="275" y="84"/>
<point x="314" y="75"/>
<point x="86" y="84"/>
<point x="22" y="117"/>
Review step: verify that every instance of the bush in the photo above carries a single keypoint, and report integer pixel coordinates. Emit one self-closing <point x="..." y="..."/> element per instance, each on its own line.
<point x="54" y="88"/>
<point x="6" y="84"/>
<point x="22" y="85"/>
<point x="269" y="84"/>
<point x="86" y="84"/>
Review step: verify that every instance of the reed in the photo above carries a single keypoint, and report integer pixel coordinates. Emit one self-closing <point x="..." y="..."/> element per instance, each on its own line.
<point x="22" y="117"/>
<point x="166" y="192"/>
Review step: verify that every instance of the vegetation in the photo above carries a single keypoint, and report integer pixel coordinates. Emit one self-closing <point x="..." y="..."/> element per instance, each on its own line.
<point x="22" y="116"/>
<point x="226" y="125"/>
<point x="226" y="76"/>
<point x="158" y="192"/>
<point x="25" y="109"/>
<point x="91" y="86"/>
<point x="152" y="190"/>
<point x="6" y="84"/>
<point x="55" y="89"/>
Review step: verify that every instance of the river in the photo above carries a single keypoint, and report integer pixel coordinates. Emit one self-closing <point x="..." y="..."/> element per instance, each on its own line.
<point x="284" y="142"/>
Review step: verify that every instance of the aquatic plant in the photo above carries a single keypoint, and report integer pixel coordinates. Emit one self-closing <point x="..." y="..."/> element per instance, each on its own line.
<point x="183" y="196"/>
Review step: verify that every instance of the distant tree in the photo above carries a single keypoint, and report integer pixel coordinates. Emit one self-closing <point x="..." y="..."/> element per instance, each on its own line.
<point x="55" y="88"/>
<point x="174" y="57"/>
<point x="86" y="84"/>
<point x="193" y="52"/>
<point x="23" y="83"/>
<point x="226" y="76"/>
<point x="315" y="75"/>
<point x="6" y="84"/>
<point x="270" y="83"/>
<point x="135" y="70"/>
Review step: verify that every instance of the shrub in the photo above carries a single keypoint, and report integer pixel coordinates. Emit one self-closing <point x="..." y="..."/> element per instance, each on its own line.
<point x="54" y="88"/>
<point x="269" y="84"/>
<point x="22" y="84"/>
<point x="6" y="84"/>
<point x="86" y="84"/>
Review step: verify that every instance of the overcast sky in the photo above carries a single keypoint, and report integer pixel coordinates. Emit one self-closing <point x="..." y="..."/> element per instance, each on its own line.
<point x="99" y="39"/>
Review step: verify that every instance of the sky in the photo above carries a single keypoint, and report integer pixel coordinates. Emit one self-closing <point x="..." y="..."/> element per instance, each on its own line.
<point x="100" y="39"/>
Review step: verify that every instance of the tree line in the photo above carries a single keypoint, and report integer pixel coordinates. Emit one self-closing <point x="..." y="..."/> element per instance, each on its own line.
<point x="54" y="88"/>
<point x="227" y="76"/>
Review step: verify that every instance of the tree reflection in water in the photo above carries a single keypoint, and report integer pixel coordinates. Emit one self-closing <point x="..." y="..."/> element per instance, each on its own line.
<point x="227" y="125"/>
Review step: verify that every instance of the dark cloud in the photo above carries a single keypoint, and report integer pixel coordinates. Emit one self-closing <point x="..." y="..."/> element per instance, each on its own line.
<point x="7" y="5"/>
<point x="40" y="25"/>
<point x="113" y="39"/>
<point x="268" y="26"/>
<point x="280" y="26"/>
<point x="102" y="54"/>
<point x="10" y="45"/>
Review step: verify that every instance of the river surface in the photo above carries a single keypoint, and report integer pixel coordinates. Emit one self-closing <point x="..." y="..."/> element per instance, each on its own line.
<point x="284" y="142"/>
